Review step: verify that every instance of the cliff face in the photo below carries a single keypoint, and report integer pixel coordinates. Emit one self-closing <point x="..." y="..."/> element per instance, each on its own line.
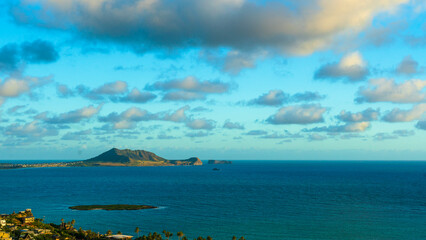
<point x="219" y="162"/>
<point x="127" y="157"/>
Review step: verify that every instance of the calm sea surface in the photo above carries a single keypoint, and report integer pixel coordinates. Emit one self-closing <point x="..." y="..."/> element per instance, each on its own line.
<point x="255" y="199"/>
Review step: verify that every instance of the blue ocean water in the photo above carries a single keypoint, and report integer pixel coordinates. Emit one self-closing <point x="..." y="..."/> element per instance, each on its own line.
<point x="254" y="199"/>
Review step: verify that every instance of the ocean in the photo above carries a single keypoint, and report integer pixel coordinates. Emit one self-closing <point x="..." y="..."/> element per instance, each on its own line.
<point x="297" y="200"/>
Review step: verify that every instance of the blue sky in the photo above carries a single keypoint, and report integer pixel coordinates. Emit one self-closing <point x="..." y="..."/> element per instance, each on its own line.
<point x="228" y="79"/>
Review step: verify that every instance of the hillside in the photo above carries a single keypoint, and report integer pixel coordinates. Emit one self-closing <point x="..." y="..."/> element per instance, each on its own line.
<point x="127" y="157"/>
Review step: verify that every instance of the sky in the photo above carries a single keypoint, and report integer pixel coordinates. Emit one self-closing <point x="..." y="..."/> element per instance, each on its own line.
<point x="223" y="79"/>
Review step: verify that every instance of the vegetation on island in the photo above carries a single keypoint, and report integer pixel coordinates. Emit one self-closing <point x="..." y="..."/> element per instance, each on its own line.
<point x="24" y="225"/>
<point x="111" y="207"/>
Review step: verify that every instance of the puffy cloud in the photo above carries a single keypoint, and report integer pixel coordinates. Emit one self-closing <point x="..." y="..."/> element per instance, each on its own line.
<point x="77" y="136"/>
<point x="399" y="115"/>
<point x="408" y="66"/>
<point x="114" y="91"/>
<point x="188" y="89"/>
<point x="39" y="51"/>
<point x="348" y="127"/>
<point x="386" y="90"/>
<point x="366" y="115"/>
<point x="256" y="132"/>
<point x="128" y="118"/>
<point x="298" y="114"/>
<point x="136" y="96"/>
<point x="272" y="98"/>
<point x="16" y="86"/>
<point x="296" y="27"/>
<point x="351" y="67"/>
<point x="278" y="97"/>
<point x="201" y="124"/>
<point x="117" y="87"/>
<point x="64" y="91"/>
<point x="74" y="116"/>
<point x="232" y="125"/>
<point x="9" y="57"/>
<point x="13" y="87"/>
<point x="421" y="125"/>
<point x="177" y="116"/>
<point x="32" y="130"/>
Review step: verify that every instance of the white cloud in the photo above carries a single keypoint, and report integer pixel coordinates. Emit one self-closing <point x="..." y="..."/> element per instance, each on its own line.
<point x="299" y="114"/>
<point x="348" y="127"/>
<point x="295" y="27"/>
<point x="351" y="67"/>
<point x="136" y="96"/>
<point x="366" y="115"/>
<point x="232" y="125"/>
<point x="386" y="90"/>
<point x="399" y="115"/>
<point x="117" y="87"/>
<point x="201" y="124"/>
<point x="272" y="98"/>
<point x="32" y="130"/>
<point x="74" y="116"/>
<point x="408" y="66"/>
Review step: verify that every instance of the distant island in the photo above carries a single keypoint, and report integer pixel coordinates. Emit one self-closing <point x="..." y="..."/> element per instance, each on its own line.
<point x="115" y="157"/>
<point x="112" y="207"/>
<point x="219" y="162"/>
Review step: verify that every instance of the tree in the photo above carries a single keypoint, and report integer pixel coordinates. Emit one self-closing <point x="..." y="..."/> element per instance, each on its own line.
<point x="234" y="238"/>
<point x="137" y="231"/>
<point x="242" y="238"/>
<point x="109" y="232"/>
<point x="119" y="232"/>
<point x="72" y="223"/>
<point x="209" y="238"/>
<point x="180" y="234"/>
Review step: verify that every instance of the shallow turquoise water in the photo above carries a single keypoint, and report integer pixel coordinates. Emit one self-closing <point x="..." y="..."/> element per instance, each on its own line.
<point x="257" y="199"/>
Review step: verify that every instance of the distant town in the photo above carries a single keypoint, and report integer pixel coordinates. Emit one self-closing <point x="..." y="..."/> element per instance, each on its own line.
<point x="24" y="225"/>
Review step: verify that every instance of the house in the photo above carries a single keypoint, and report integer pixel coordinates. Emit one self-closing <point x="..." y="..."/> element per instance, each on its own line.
<point x="27" y="220"/>
<point x="25" y="236"/>
<point x="120" y="236"/>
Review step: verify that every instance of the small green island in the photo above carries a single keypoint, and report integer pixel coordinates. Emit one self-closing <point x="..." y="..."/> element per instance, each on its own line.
<point x="112" y="207"/>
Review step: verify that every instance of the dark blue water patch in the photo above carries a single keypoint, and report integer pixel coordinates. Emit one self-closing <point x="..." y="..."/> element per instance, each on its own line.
<point x="257" y="199"/>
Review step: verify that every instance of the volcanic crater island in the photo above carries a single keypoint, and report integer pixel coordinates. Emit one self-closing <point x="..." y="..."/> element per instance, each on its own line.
<point x="115" y="158"/>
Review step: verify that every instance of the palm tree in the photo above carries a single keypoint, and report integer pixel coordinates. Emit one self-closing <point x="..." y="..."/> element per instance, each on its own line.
<point x="137" y="231"/>
<point x="119" y="233"/>
<point x="180" y="234"/>
<point x="72" y="223"/>
<point x="109" y="232"/>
